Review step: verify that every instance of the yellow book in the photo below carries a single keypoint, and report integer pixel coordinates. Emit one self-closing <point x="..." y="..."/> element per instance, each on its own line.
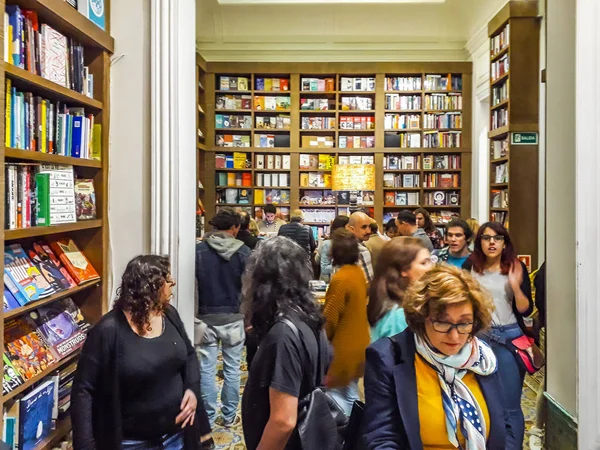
<point x="268" y="84"/>
<point x="97" y="142"/>
<point x="259" y="196"/>
<point x="327" y="179"/>
<point x="230" y="179"/>
<point x="330" y="161"/>
<point x="323" y="160"/>
<point x="239" y="160"/>
<point x="8" y="112"/>
<point x="43" y="138"/>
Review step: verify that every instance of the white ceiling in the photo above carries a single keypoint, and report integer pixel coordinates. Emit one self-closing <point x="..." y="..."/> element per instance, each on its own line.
<point x="340" y="32"/>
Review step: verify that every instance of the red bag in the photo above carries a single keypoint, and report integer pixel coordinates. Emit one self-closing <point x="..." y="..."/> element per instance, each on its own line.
<point x="528" y="355"/>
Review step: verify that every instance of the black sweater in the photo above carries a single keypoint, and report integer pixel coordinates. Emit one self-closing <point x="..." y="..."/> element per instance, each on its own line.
<point x="96" y="408"/>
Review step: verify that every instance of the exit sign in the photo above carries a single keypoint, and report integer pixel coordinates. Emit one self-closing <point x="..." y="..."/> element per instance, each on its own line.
<point x="524" y="139"/>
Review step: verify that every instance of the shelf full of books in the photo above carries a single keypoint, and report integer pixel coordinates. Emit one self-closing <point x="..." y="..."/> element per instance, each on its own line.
<point x="325" y="114"/>
<point x="514" y="123"/>
<point x="54" y="159"/>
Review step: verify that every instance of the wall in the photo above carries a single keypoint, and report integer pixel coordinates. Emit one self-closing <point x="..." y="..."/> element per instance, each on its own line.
<point x="129" y="176"/>
<point x="561" y="213"/>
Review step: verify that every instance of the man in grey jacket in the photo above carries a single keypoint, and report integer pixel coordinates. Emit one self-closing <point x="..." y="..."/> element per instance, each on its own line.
<point x="406" y="222"/>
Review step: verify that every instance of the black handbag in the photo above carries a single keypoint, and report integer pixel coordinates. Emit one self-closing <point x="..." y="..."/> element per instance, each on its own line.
<point x="321" y="422"/>
<point x="354" y="431"/>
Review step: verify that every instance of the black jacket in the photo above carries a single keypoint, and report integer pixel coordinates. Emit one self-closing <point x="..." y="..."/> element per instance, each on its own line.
<point x="96" y="408"/>
<point x="247" y="238"/>
<point x="300" y="234"/>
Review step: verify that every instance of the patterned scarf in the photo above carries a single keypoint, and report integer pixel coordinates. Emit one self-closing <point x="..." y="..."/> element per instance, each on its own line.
<point x="460" y="405"/>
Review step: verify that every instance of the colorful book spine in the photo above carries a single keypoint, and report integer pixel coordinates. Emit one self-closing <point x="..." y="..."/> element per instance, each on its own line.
<point x="42" y="186"/>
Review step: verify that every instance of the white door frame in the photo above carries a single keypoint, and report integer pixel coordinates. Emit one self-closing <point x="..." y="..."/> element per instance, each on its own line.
<point x="173" y="143"/>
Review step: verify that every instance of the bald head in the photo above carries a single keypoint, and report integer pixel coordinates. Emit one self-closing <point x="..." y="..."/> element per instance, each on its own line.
<point x="360" y="225"/>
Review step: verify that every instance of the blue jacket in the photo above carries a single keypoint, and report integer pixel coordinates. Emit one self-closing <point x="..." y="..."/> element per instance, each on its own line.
<point x="220" y="263"/>
<point x="391" y="414"/>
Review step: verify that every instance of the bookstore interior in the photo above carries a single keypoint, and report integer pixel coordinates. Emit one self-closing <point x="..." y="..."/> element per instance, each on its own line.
<point x="464" y="133"/>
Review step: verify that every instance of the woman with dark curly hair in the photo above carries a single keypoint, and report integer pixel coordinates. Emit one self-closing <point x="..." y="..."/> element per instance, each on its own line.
<point x="138" y="381"/>
<point x="275" y="290"/>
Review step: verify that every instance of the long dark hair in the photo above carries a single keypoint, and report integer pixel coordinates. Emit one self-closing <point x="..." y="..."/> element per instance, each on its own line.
<point x="509" y="254"/>
<point x="275" y="284"/>
<point x="429" y="226"/>
<point x="388" y="286"/>
<point x="140" y="289"/>
<point x="337" y="223"/>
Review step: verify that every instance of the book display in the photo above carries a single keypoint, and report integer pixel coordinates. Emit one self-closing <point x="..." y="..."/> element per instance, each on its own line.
<point x="514" y="123"/>
<point x="54" y="159"/>
<point x="319" y="115"/>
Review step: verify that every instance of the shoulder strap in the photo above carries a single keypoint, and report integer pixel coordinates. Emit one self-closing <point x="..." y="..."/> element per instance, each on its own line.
<point x="312" y="378"/>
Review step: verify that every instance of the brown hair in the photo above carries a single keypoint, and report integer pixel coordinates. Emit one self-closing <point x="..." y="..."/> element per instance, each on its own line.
<point x="344" y="247"/>
<point x="388" y="286"/>
<point x="429" y="227"/>
<point x="446" y="285"/>
<point x="509" y="254"/>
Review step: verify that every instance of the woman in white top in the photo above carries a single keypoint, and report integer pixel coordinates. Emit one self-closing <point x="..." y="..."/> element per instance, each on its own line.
<point x="495" y="265"/>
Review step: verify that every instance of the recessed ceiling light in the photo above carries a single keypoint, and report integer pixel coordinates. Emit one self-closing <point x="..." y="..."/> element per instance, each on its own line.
<point x="303" y="2"/>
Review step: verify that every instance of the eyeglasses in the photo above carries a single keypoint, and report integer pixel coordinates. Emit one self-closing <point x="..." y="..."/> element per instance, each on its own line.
<point x="446" y="327"/>
<point x="495" y="238"/>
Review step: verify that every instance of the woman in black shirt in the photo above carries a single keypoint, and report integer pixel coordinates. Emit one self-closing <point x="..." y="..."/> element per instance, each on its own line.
<point x="275" y="286"/>
<point x="138" y="382"/>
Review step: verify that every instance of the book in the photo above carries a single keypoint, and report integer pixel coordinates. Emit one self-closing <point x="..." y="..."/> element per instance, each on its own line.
<point x="93" y="10"/>
<point x="24" y="347"/>
<point x="10" y="302"/>
<point x="74" y="260"/>
<point x="85" y="199"/>
<point x="67" y="304"/>
<point x="11" y="378"/>
<point x="45" y="253"/>
<point x="30" y="283"/>
<point x="58" y="329"/>
<point x="47" y="268"/>
<point x="35" y="415"/>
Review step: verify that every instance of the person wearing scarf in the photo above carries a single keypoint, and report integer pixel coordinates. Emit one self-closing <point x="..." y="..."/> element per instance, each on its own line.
<point x="435" y="386"/>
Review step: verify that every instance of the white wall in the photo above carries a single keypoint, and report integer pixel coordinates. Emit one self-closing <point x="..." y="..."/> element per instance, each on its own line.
<point x="561" y="214"/>
<point x="129" y="176"/>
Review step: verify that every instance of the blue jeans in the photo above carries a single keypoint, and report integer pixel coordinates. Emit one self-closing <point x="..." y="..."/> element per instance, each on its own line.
<point x="345" y="396"/>
<point x="167" y="442"/>
<point x="231" y="337"/>
<point x="512" y="377"/>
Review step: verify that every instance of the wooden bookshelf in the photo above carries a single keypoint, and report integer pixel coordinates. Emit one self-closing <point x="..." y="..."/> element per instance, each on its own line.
<point x="90" y="236"/>
<point x="514" y="123"/>
<point x="334" y="103"/>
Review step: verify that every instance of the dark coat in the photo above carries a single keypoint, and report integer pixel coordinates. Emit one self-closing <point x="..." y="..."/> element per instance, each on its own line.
<point x="96" y="408"/>
<point x="247" y="238"/>
<point x="300" y="234"/>
<point x="391" y="415"/>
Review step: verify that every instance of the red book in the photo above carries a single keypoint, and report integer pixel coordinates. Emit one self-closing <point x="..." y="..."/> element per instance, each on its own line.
<point x="247" y="179"/>
<point x="74" y="260"/>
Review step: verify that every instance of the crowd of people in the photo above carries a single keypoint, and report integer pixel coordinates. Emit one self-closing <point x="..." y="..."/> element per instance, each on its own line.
<point x="415" y="342"/>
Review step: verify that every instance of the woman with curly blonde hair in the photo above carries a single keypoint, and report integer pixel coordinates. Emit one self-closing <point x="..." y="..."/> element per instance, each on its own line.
<point x="435" y="385"/>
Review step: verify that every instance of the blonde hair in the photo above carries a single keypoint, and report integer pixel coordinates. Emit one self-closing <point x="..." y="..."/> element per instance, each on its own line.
<point x="441" y="287"/>
<point x="253" y="227"/>
<point x="473" y="225"/>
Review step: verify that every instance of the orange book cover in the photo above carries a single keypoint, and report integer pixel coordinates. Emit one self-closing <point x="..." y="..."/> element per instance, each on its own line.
<point x="329" y="84"/>
<point x="246" y="179"/>
<point x="74" y="260"/>
<point x="284" y="84"/>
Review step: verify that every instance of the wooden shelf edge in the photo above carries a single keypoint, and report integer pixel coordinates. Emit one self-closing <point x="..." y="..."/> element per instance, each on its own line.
<point x="498" y="132"/>
<point x="22" y="233"/>
<point x="30" y="155"/>
<point x="499" y="105"/>
<point x="41" y="376"/>
<point x="500" y="54"/>
<point x="53" y="298"/>
<point x="50" y="88"/>
<point x="62" y="429"/>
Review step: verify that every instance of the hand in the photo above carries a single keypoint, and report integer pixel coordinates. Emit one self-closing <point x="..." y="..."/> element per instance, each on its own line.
<point x="188" y="409"/>
<point x="515" y="275"/>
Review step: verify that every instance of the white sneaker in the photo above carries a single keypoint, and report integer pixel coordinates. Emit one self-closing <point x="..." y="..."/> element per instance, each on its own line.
<point x="536" y="439"/>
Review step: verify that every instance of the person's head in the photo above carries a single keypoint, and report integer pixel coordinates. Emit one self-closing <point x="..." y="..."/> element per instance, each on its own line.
<point x="337" y="223"/>
<point x="424" y="220"/>
<point x="447" y="307"/>
<point x="493" y="244"/>
<point x="146" y="287"/>
<point x="344" y="247"/>
<point x="458" y="235"/>
<point x="253" y="227"/>
<point x="391" y="230"/>
<point x="297" y="216"/>
<point x="406" y="222"/>
<point x="473" y="225"/>
<point x="270" y="213"/>
<point x="244" y="220"/>
<point x="402" y="260"/>
<point x="227" y="219"/>
<point x="374" y="228"/>
<point x="360" y="225"/>
<point x="275" y="283"/>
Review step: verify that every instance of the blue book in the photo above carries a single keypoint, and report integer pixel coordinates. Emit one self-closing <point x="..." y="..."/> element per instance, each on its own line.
<point x="93" y="10"/>
<point x="10" y="302"/>
<point x="16" y="22"/>
<point x="35" y="416"/>
<point x="76" y="136"/>
<point x="24" y="275"/>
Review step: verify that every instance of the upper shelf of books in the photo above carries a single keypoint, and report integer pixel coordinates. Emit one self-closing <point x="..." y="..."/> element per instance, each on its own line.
<point x="67" y="20"/>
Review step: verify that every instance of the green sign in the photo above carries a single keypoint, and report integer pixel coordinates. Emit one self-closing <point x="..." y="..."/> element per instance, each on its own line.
<point x="524" y="139"/>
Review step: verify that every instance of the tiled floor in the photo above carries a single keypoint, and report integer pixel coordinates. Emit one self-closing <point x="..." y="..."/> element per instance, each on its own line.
<point x="232" y="439"/>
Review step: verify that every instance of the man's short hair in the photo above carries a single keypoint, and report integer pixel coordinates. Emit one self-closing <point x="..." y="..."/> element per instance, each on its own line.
<point x="225" y="219"/>
<point x="244" y="220"/>
<point x="407" y="216"/>
<point x="374" y="228"/>
<point x="455" y="223"/>
<point x="270" y="209"/>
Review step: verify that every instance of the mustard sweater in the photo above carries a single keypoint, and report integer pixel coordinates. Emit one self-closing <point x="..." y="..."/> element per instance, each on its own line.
<point x="346" y="325"/>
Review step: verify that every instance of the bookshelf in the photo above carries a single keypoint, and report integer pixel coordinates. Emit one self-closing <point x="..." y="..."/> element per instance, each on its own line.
<point x="514" y="123"/>
<point x="343" y="110"/>
<point x="90" y="236"/>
